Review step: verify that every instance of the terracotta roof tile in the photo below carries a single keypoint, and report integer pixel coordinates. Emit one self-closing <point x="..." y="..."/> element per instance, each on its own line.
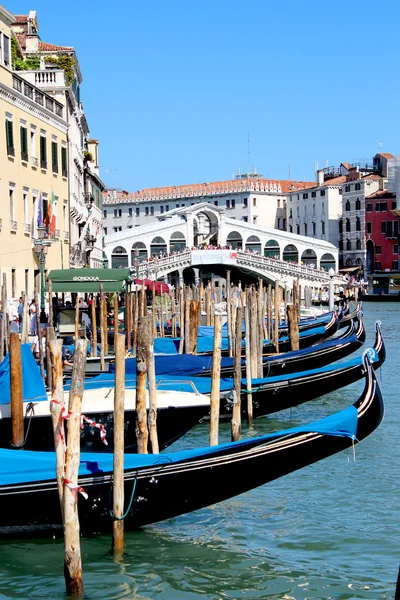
<point x="386" y="154"/>
<point x="213" y="188"/>
<point x="373" y="177"/>
<point x="381" y="194"/>
<point x="21" y="19"/>
<point x="21" y="37"/>
<point x="52" y="47"/>
<point x="335" y="180"/>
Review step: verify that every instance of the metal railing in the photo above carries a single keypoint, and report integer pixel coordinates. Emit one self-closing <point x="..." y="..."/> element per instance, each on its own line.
<point x="13" y="225"/>
<point x="27" y="227"/>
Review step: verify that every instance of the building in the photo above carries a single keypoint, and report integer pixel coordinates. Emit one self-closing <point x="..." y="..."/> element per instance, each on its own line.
<point x="249" y="198"/>
<point x="382" y="233"/>
<point x="55" y="70"/>
<point x="94" y="188"/>
<point x="34" y="213"/>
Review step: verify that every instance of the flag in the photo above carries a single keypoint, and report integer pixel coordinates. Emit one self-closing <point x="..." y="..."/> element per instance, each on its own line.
<point x="51" y="215"/>
<point x="39" y="220"/>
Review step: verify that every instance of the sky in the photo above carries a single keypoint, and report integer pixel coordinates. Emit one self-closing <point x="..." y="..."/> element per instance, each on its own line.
<point x="174" y="90"/>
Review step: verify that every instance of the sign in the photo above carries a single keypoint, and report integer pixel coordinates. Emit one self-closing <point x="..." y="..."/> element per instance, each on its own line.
<point x="82" y="278"/>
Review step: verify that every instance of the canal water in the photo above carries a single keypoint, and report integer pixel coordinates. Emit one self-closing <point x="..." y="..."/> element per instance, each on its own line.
<point x="330" y="530"/>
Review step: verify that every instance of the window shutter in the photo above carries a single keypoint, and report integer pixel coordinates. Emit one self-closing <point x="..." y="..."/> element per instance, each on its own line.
<point x="64" y="160"/>
<point x="9" y="132"/>
<point x="54" y="157"/>
<point x="24" y="142"/>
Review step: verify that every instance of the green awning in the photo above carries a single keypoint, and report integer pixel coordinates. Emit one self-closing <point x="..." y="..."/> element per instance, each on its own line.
<point x="89" y="280"/>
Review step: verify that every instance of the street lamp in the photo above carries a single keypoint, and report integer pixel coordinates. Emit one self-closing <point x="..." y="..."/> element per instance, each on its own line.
<point x="41" y="248"/>
<point x="331" y="274"/>
<point x="89" y="240"/>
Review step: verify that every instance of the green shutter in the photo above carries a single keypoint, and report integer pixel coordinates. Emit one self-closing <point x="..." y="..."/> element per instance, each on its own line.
<point x="64" y="161"/>
<point x="24" y="143"/>
<point x="43" y="152"/>
<point x="54" y="156"/>
<point x="10" y="137"/>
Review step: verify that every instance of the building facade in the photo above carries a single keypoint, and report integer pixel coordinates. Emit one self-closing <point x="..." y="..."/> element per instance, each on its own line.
<point x="250" y="199"/>
<point x="382" y="233"/>
<point x="34" y="214"/>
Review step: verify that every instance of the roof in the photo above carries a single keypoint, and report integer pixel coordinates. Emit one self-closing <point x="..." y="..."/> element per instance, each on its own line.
<point x="21" y="19"/>
<point x="372" y="176"/>
<point x="381" y="194"/>
<point x="44" y="46"/>
<point x="210" y="189"/>
<point x="88" y="280"/>
<point x="385" y="154"/>
<point x="334" y="181"/>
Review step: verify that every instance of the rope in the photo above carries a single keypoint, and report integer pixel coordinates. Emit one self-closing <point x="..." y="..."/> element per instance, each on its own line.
<point x="30" y="408"/>
<point x="130" y="502"/>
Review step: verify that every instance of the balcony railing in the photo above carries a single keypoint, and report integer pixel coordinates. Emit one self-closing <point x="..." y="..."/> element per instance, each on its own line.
<point x="34" y="161"/>
<point x="29" y="79"/>
<point x="57" y="234"/>
<point x="66" y="235"/>
<point x="13" y="225"/>
<point x="27" y="227"/>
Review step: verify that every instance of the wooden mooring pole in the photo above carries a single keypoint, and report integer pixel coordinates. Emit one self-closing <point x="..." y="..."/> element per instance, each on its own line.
<point x="248" y="361"/>
<point x="152" y="418"/>
<point x="118" y="477"/>
<point x="72" y="549"/>
<point x="55" y="347"/>
<point x="102" y="332"/>
<point x="215" y="381"/>
<point x="17" y="405"/>
<point x="145" y="330"/>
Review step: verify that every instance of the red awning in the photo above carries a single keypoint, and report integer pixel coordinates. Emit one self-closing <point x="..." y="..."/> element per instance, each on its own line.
<point x="159" y="286"/>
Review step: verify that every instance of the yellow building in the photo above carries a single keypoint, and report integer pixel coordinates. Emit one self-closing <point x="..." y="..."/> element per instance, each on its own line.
<point x="34" y="207"/>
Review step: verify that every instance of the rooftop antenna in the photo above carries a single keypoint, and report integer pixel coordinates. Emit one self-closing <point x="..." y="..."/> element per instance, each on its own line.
<point x="326" y="163"/>
<point x="248" y="154"/>
<point x="315" y="169"/>
<point x="289" y="171"/>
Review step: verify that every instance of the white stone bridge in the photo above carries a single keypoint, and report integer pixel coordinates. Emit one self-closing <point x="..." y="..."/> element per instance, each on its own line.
<point x="169" y="244"/>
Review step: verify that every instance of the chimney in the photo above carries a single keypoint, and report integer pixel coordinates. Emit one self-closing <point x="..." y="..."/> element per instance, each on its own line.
<point x="32" y="43"/>
<point x="320" y="177"/>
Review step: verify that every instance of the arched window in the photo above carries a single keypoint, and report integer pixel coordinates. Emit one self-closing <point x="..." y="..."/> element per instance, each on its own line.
<point x="158" y="246"/>
<point x="348" y="206"/>
<point x="177" y="241"/>
<point x="272" y="249"/>
<point x="290" y="253"/>
<point x="358" y="204"/>
<point x="253" y="243"/>
<point x="313" y="210"/>
<point x="358" y="224"/>
<point x="298" y="211"/>
<point x="348" y="245"/>
<point x="348" y="227"/>
<point x="358" y="244"/>
<point x="119" y="257"/>
<point x="138" y="252"/>
<point x="235" y="240"/>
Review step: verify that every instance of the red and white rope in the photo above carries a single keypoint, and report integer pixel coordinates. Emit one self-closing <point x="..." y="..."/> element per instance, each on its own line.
<point x="66" y="415"/>
<point x="75" y="487"/>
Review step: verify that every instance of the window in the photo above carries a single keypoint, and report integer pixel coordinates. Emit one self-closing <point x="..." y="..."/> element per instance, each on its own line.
<point x="383" y="206"/>
<point x="358" y="204"/>
<point x="341" y="226"/>
<point x="298" y="212"/>
<point x="13" y="283"/>
<point x="64" y="170"/>
<point x="11" y="202"/>
<point x="152" y="210"/>
<point x="254" y="220"/>
<point x="33" y="146"/>
<point x="347" y="188"/>
<point x="358" y="224"/>
<point x="105" y="214"/>
<point x="384" y="226"/>
<point x="279" y="223"/>
<point x="323" y="227"/>
<point x="305" y="196"/>
<point x="43" y="151"/>
<point x="105" y="230"/>
<point x="305" y="211"/>
<point x="377" y="206"/>
<point x="228" y="203"/>
<point x="348" y="245"/>
<point x="298" y="229"/>
<point x="347" y="206"/>
<point x="313" y="194"/>
<point x="369" y="227"/>
<point x="216" y="202"/>
<point x="357" y="186"/>
<point x="278" y="203"/>
<point x="177" y="205"/>
<point x="378" y="266"/>
<point x="24" y="143"/>
<point x="290" y="213"/>
<point x="378" y="250"/>
<point x="146" y="211"/>
<point x="6" y="50"/>
<point x="348" y="226"/>
<point x="10" y="137"/>
<point x="305" y="229"/>
<point x="244" y="202"/>
<point x="115" y="229"/>
<point x="120" y="212"/>
<point x="394" y="205"/>
<point x="167" y="208"/>
<point x="369" y="207"/>
<point x="115" y="213"/>
<point x="395" y="249"/>
<point x="233" y="203"/>
<point x="341" y="245"/>
<point x="137" y="211"/>
<point x="313" y="210"/>
<point x="245" y="219"/>
<point x="290" y="229"/>
<point x="254" y="201"/>
<point x="395" y="265"/>
<point x="358" y="245"/>
<point x="54" y="156"/>
<point x="322" y="193"/>
<point x="314" y="229"/>
<point x="25" y="205"/>
<point x="130" y="226"/>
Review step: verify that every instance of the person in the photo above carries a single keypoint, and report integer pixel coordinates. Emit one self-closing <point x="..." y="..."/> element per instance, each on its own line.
<point x="82" y="303"/>
<point x="35" y="343"/>
<point x="20" y="312"/>
<point x="33" y="315"/>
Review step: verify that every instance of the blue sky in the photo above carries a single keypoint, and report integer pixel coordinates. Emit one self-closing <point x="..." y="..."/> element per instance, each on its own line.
<point x="172" y="89"/>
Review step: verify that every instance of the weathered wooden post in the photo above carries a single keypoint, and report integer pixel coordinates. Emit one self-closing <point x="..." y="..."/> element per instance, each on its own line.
<point x="181" y="320"/>
<point x="128" y="320"/>
<point x="115" y="318"/>
<point x="253" y="332"/>
<point x="237" y="376"/>
<point x="215" y="380"/>
<point x="154" y="310"/>
<point x="51" y="313"/>
<point x="39" y="336"/>
<point x="94" y="327"/>
<point x="25" y="324"/>
<point x="269" y="312"/>
<point x="17" y="404"/>
<point x="56" y="409"/>
<point x="188" y="297"/>
<point x="194" y="326"/>
<point x="135" y="315"/>
<point x="248" y="360"/>
<point x="229" y="311"/>
<point x="76" y="319"/>
<point x="293" y="326"/>
<point x="2" y="324"/>
<point x="152" y="418"/>
<point x="277" y="315"/>
<point x="72" y="550"/>
<point x="118" y="476"/>
<point x="142" y="361"/>
<point x="102" y="333"/>
<point x="6" y="317"/>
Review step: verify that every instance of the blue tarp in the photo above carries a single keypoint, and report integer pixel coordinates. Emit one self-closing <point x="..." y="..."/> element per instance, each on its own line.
<point x="68" y="350"/>
<point x="32" y="383"/>
<point x="23" y="467"/>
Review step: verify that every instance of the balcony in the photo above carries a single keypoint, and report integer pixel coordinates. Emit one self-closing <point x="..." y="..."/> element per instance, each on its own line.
<point x="13" y="225"/>
<point x="66" y="236"/>
<point x="27" y="228"/>
<point x="25" y="82"/>
<point x="34" y="161"/>
<point x="57" y="234"/>
<point x="88" y="197"/>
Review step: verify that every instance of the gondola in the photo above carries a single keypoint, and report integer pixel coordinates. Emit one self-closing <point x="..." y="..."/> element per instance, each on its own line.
<point x="315" y="356"/>
<point x="159" y="487"/>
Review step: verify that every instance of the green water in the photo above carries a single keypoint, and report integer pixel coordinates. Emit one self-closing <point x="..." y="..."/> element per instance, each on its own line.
<point x="327" y="531"/>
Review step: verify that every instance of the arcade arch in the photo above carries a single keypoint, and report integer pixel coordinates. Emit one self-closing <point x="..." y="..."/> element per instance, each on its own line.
<point x="158" y="246"/>
<point x="177" y="242"/>
<point x="272" y="249"/>
<point x="290" y="253"/>
<point x="119" y="258"/>
<point x="235" y="240"/>
<point x="139" y="250"/>
<point x="327" y="262"/>
<point x="253" y="244"/>
<point x="309" y="258"/>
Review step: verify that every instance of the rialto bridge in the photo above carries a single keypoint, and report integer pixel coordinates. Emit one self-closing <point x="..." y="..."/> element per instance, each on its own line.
<point x="173" y="242"/>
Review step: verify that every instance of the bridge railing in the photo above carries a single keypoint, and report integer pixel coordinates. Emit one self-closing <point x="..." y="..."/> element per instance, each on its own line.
<point x="283" y="265"/>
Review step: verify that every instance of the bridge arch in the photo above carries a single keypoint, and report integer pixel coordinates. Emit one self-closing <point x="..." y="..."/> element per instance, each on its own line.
<point x="327" y="262"/>
<point x="177" y="241"/>
<point x="272" y="249"/>
<point x="253" y="243"/>
<point x="290" y="253"/>
<point x="119" y="257"/>
<point x="309" y="257"/>
<point x="158" y="246"/>
<point x="234" y="239"/>
<point x="141" y="248"/>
